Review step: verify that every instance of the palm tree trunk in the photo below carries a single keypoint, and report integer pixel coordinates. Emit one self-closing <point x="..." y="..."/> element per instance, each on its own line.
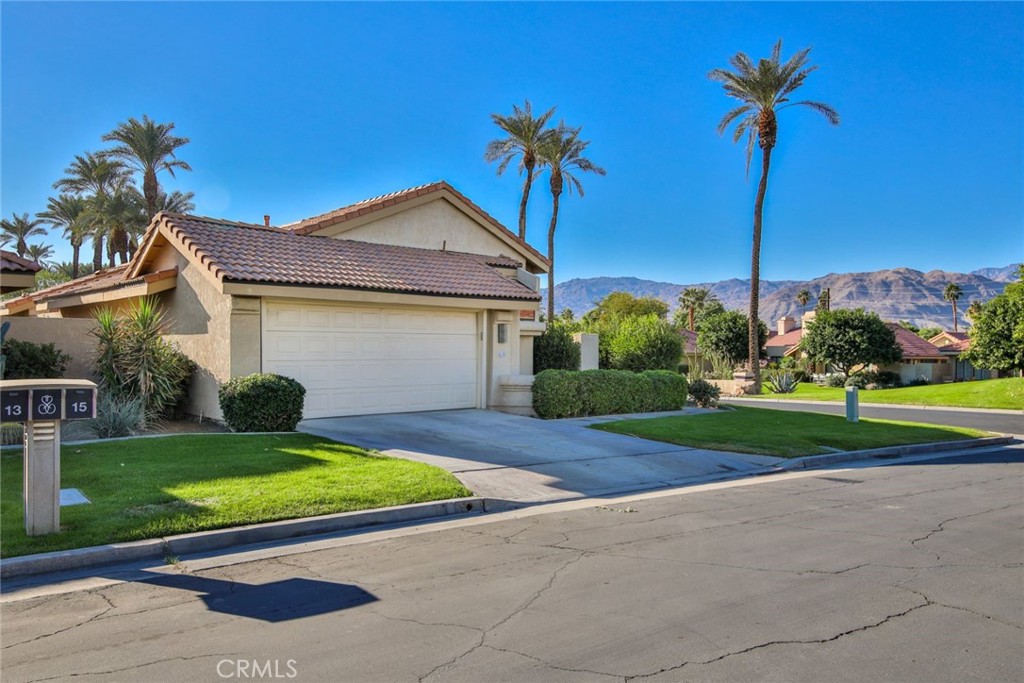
<point x="97" y="252"/>
<point x="691" y="318"/>
<point x="753" y="346"/>
<point x="76" y="248"/>
<point x="150" y="189"/>
<point x="551" y="257"/>
<point x="955" y="330"/>
<point x="527" y="184"/>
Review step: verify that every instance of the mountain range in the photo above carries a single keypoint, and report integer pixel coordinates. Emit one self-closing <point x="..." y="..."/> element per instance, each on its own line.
<point x="896" y="294"/>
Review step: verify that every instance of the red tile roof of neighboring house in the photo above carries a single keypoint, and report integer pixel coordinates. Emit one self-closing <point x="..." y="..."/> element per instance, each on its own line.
<point x="951" y="341"/>
<point x="791" y="338"/>
<point x="361" y="208"/>
<point x="913" y="345"/>
<point x="689" y="341"/>
<point x="12" y="263"/>
<point x="110" y="278"/>
<point x="242" y="252"/>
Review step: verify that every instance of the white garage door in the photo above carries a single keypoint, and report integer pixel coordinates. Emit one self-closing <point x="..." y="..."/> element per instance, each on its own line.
<point x="360" y="360"/>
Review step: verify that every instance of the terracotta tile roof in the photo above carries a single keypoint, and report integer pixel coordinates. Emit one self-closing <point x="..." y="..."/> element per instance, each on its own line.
<point x="242" y="252"/>
<point x="948" y="340"/>
<point x="791" y="338"/>
<point x="913" y="345"/>
<point x="957" y="347"/>
<point x="689" y="341"/>
<point x="110" y="278"/>
<point x="12" y="263"/>
<point x="361" y="208"/>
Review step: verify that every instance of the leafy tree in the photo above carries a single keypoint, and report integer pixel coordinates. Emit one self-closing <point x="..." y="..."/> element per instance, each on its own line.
<point x="149" y="148"/>
<point x="763" y="89"/>
<point x="846" y="339"/>
<point x="724" y="335"/>
<point x="928" y="332"/>
<point x="623" y="304"/>
<point x="19" y="229"/>
<point x="952" y="294"/>
<point x="973" y="310"/>
<point x="997" y="337"/>
<point x="69" y="213"/>
<point x="561" y="153"/>
<point x="645" y="342"/>
<point x="525" y="133"/>
<point x="693" y="301"/>
<point x="555" y="349"/>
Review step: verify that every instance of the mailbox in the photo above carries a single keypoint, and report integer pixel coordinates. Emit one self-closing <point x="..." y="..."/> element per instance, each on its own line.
<point x="42" y="404"/>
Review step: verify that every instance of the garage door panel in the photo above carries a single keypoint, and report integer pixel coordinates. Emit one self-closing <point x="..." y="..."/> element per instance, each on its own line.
<point x="356" y="360"/>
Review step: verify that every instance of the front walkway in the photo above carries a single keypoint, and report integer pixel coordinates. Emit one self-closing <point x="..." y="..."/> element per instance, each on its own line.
<point x="523" y="459"/>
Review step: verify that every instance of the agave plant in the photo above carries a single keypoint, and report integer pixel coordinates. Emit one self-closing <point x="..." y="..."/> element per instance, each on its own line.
<point x="780" y="381"/>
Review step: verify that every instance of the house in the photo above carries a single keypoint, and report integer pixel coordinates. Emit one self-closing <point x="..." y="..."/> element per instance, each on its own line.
<point x="786" y="338"/>
<point x="951" y="345"/>
<point x="409" y="301"/>
<point x="692" y="356"/>
<point x="16" y="273"/>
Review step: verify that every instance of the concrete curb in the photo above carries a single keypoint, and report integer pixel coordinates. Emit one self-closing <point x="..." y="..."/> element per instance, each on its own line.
<point x="218" y="539"/>
<point x="898" y="406"/>
<point x="812" y="461"/>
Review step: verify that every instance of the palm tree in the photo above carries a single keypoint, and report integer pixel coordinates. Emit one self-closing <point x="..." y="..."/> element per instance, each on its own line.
<point x="176" y="202"/>
<point x="562" y="154"/>
<point x="40" y="253"/>
<point x="973" y="310"/>
<point x="695" y="299"/>
<point x="952" y="293"/>
<point x="69" y="213"/>
<point x="802" y="297"/>
<point x="93" y="176"/>
<point x="147" y="147"/>
<point x="525" y="135"/>
<point x="18" y="229"/>
<point x="763" y="89"/>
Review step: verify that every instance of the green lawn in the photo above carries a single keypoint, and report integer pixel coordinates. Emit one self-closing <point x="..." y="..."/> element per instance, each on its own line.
<point x="145" y="488"/>
<point x="783" y="433"/>
<point x="992" y="393"/>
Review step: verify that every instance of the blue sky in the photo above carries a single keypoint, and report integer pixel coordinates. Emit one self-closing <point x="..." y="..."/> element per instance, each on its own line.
<point x="298" y="108"/>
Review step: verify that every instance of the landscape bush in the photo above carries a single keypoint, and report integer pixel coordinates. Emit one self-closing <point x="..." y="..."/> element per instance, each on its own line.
<point x="704" y="394"/>
<point x="836" y="381"/>
<point x="28" y="360"/>
<point x="117" y="415"/>
<point x="645" y="342"/>
<point x="262" y="403"/>
<point x="919" y="382"/>
<point x="887" y="379"/>
<point x="861" y="380"/>
<point x="555" y="349"/>
<point x="565" y="393"/>
<point x="780" y="381"/>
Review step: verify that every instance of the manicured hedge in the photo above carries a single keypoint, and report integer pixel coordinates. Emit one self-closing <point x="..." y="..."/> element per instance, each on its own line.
<point x="262" y="403"/>
<point x="565" y="393"/>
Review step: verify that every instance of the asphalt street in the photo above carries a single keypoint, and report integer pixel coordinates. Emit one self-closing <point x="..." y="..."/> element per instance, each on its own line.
<point x="1004" y="423"/>
<point x="907" y="572"/>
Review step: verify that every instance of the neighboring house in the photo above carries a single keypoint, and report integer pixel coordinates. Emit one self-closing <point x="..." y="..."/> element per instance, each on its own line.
<point x="16" y="273"/>
<point x="785" y="339"/>
<point x="951" y="345"/>
<point x="692" y="356"/>
<point x="406" y="302"/>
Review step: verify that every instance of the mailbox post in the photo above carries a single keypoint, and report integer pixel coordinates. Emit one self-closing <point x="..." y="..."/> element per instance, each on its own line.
<point x="41" y="404"/>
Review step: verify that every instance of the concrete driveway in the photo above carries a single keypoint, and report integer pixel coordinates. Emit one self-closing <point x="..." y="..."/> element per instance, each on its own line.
<point x="525" y="459"/>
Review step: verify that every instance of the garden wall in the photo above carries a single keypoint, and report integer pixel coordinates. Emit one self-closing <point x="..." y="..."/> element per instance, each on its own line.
<point x="70" y="335"/>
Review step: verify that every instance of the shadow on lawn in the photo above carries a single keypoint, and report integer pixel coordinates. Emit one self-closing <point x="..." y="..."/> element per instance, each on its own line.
<point x="277" y="601"/>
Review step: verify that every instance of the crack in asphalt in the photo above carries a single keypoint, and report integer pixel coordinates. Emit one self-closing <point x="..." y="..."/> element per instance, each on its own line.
<point x="110" y="606"/>
<point x="130" y="668"/>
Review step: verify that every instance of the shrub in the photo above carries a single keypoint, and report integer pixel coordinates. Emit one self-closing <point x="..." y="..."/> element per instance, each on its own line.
<point x="11" y="433"/>
<point x="555" y="350"/>
<point x="27" y="360"/>
<point x="645" y="342"/>
<point x="780" y="381"/>
<point x="860" y="380"/>
<point x="726" y="336"/>
<point x="564" y="393"/>
<point x="835" y="381"/>
<point x="919" y="382"/>
<point x="704" y="393"/>
<point x="133" y="358"/>
<point x="262" y="403"/>
<point x="117" y="415"/>
<point x="887" y="379"/>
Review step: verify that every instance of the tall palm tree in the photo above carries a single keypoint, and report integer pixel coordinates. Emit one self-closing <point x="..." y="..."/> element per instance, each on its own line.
<point x="176" y="202"/>
<point x="40" y="253"/>
<point x="93" y="176"/>
<point x="18" y="229"/>
<point x="802" y="297"/>
<point x="69" y="213"/>
<point x="147" y="147"/>
<point x="562" y="155"/>
<point x="952" y="293"/>
<point x="763" y="89"/>
<point x="525" y="135"/>
<point x="695" y="299"/>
